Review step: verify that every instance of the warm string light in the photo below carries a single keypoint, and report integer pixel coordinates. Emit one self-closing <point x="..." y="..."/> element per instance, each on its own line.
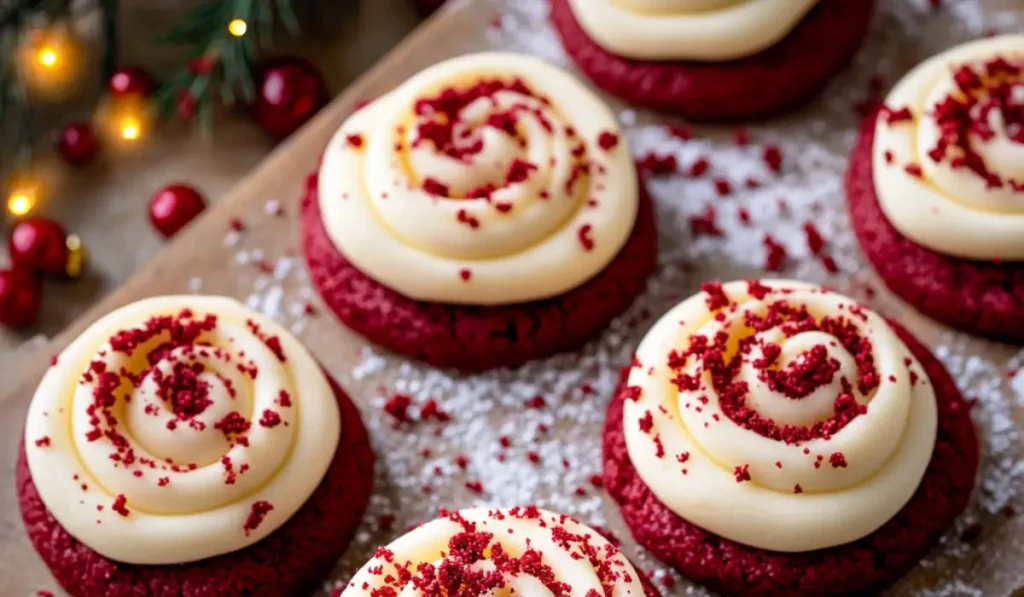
<point x="49" y="60"/>
<point x="23" y="196"/>
<point x="237" y="27"/>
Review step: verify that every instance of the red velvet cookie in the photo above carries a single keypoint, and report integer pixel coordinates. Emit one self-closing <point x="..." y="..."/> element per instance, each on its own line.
<point x="864" y="566"/>
<point x="484" y="213"/>
<point x="522" y="550"/>
<point x="764" y="84"/>
<point x="291" y="561"/>
<point x="470" y="337"/>
<point x="983" y="297"/>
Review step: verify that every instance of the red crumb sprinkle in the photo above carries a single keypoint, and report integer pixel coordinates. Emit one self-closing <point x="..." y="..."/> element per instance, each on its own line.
<point x="398" y="407"/>
<point x="465" y="274"/>
<point x="723" y="187"/>
<point x="772" y="157"/>
<point x="680" y="131"/>
<point x="798" y="489"/>
<point x="504" y="441"/>
<point x="646" y="422"/>
<point x="716" y="298"/>
<point x="743" y="215"/>
<point x="120" y="505"/>
<point x="751" y="183"/>
<point x="888" y="156"/>
<point x="354" y="140"/>
<point x="607" y="140"/>
<point x="580" y="492"/>
<point x="43" y="593"/>
<point x="815" y="242"/>
<point x="829" y="264"/>
<point x="699" y="167"/>
<point x="896" y="115"/>
<point x="586" y="388"/>
<point x="913" y="170"/>
<point x="475" y="486"/>
<point x="585" y="237"/>
<point x="705" y="223"/>
<point x="533" y="457"/>
<point x="775" y="254"/>
<point x="536" y="402"/>
<point x="256" y="516"/>
<point x="270" y="419"/>
<point x="633" y="393"/>
<point x="435" y="187"/>
<point x="742" y="473"/>
<point x="658" y="165"/>
<point x="53" y="361"/>
<point x="741" y="136"/>
<point x="837" y="460"/>
<point x="432" y="410"/>
<point x="43" y="442"/>
<point x="461" y="461"/>
<point x="163" y="481"/>
<point x="236" y="225"/>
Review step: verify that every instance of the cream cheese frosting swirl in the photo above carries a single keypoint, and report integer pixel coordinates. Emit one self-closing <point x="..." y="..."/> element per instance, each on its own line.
<point x="179" y="428"/>
<point x="514" y="551"/>
<point x="704" y="30"/>
<point x="486" y="179"/>
<point x="779" y="415"/>
<point x="948" y="155"/>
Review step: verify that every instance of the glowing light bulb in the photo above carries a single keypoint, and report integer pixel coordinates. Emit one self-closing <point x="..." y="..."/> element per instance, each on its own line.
<point x="20" y="203"/>
<point x="130" y="129"/>
<point x="47" y="57"/>
<point x="237" y="27"/>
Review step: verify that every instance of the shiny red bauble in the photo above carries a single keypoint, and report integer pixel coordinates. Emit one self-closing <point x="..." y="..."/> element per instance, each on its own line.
<point x="21" y="294"/>
<point x="39" y="245"/>
<point x="173" y="207"/>
<point x="290" y="92"/>
<point x="131" y="81"/>
<point x="78" y="144"/>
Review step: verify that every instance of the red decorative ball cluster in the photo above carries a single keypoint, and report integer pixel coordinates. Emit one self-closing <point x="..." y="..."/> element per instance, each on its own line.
<point x="291" y="91"/>
<point x="38" y="248"/>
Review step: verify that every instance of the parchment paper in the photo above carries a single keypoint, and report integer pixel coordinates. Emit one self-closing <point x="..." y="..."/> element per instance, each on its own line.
<point x="419" y="470"/>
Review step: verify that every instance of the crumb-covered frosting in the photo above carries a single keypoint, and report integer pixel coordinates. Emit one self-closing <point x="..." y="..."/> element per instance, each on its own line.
<point x="705" y="30"/>
<point x="179" y="428"/>
<point x="486" y="179"/>
<point x="948" y="156"/>
<point x="779" y="415"/>
<point x="513" y="551"/>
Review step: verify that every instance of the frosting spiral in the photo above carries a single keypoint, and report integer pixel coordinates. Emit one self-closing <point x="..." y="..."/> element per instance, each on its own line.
<point x="514" y="551"/>
<point x="180" y="428"/>
<point x="705" y="30"/>
<point x="948" y="154"/>
<point x="486" y="179"/>
<point x="779" y="415"/>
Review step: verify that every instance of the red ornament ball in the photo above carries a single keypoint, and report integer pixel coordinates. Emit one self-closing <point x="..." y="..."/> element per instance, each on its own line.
<point x="21" y="294"/>
<point x="173" y="207"/>
<point x="78" y="144"/>
<point x="41" y="246"/>
<point x="291" y="91"/>
<point x="131" y="81"/>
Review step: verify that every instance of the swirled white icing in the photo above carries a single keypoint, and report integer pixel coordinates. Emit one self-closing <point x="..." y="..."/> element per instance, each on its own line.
<point x="779" y="415"/>
<point x="948" y="154"/>
<point x="486" y="179"/>
<point x="514" y="551"/>
<point x="705" y="30"/>
<point x="179" y="428"/>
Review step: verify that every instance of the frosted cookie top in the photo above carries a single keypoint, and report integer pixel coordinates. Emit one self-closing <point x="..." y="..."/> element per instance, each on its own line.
<point x="779" y="415"/>
<point x="179" y="428"/>
<point x="486" y="179"/>
<point x="515" y="551"/>
<point x="705" y="30"/>
<point x="948" y="154"/>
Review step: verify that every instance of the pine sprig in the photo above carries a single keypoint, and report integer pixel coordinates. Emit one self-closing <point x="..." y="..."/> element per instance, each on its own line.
<point x="220" y="62"/>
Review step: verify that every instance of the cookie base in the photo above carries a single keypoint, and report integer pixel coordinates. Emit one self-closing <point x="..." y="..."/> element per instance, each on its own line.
<point x="472" y="338"/>
<point x="767" y="83"/>
<point x="980" y="297"/>
<point x="862" y="567"/>
<point x="293" y="560"/>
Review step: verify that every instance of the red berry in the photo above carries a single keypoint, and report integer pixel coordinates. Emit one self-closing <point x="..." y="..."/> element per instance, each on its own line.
<point x="39" y="246"/>
<point x="173" y="207"/>
<point x="290" y="92"/>
<point x="20" y="296"/>
<point x="131" y="80"/>
<point x="78" y="144"/>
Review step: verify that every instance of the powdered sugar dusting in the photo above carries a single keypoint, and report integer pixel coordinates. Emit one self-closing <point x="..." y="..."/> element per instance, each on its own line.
<point x="551" y="448"/>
